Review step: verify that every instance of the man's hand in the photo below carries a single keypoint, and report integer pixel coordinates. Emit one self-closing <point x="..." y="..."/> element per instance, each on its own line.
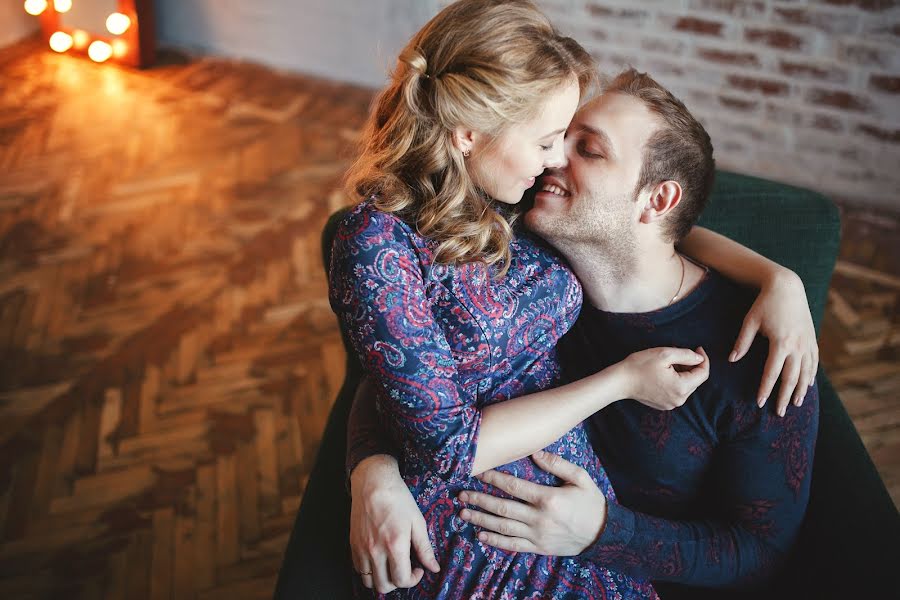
<point x="384" y="523"/>
<point x="782" y="315"/>
<point x="557" y="521"/>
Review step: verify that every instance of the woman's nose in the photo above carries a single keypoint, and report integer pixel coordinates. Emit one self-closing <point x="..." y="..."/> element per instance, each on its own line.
<point x="557" y="158"/>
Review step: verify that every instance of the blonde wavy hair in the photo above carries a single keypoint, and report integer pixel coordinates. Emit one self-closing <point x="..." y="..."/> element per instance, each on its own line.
<point x="479" y="64"/>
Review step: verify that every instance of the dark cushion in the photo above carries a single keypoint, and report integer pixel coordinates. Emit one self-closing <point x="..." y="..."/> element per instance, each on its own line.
<point x="849" y="540"/>
<point x="795" y="227"/>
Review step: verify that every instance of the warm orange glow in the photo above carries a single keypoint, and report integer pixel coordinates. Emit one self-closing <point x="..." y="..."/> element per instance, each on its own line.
<point x="81" y="38"/>
<point x="117" y="23"/>
<point x="60" y="41"/>
<point x="35" y="7"/>
<point x="119" y="48"/>
<point x="62" y="5"/>
<point x="99" y="51"/>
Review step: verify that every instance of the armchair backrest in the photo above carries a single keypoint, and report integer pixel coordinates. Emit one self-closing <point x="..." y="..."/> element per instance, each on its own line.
<point x="795" y="227"/>
<point x="849" y="507"/>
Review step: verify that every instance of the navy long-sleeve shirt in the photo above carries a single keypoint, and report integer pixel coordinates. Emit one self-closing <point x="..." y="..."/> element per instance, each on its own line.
<point x="712" y="493"/>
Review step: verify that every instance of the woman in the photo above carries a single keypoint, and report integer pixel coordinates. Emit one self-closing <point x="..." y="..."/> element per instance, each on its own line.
<point x="437" y="292"/>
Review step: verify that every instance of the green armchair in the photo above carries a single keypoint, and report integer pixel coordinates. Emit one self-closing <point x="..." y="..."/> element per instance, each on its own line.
<point x="849" y="541"/>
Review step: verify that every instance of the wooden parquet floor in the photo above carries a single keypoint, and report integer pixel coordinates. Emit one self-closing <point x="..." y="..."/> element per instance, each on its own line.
<point x="860" y="339"/>
<point x="167" y="354"/>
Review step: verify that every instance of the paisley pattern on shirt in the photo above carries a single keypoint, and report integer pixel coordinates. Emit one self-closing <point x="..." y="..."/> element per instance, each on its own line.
<point x="441" y="342"/>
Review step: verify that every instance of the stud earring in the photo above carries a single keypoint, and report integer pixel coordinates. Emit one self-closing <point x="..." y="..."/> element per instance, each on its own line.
<point x="466" y="153"/>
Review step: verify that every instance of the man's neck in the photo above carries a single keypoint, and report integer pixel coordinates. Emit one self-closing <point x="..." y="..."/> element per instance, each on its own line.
<point x="644" y="281"/>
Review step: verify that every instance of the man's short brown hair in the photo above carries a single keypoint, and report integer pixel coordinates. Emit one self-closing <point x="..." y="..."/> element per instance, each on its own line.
<point x="680" y="150"/>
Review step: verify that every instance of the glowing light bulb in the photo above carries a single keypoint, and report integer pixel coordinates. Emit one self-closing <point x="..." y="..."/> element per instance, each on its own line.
<point x="61" y="41"/>
<point x="120" y="48"/>
<point x="35" y="7"/>
<point x="62" y="5"/>
<point x="117" y="23"/>
<point x="81" y="38"/>
<point x="99" y="51"/>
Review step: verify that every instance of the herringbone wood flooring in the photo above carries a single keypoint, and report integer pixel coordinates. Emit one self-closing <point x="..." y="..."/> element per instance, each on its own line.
<point x="167" y="353"/>
<point x="860" y="340"/>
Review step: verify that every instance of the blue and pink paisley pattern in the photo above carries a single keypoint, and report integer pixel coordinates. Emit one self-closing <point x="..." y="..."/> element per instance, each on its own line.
<point x="441" y="342"/>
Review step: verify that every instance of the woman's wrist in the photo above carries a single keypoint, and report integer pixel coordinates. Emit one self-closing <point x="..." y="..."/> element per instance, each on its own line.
<point x="783" y="278"/>
<point x="614" y="383"/>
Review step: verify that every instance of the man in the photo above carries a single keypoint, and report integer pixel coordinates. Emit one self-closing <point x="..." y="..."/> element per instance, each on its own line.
<point x="710" y="494"/>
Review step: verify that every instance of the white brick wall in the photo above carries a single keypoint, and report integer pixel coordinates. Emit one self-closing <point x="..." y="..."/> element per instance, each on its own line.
<point x="802" y="91"/>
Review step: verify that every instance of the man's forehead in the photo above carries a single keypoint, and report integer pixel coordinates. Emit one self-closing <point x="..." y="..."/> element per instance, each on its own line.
<point x="612" y="114"/>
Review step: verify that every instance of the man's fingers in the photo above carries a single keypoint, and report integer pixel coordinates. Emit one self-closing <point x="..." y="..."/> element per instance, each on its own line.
<point x="380" y="574"/>
<point x="789" y="377"/>
<point x="507" y="527"/>
<point x="518" y="488"/>
<point x="745" y="339"/>
<point x="422" y="546"/>
<point x="502" y="507"/>
<point x="770" y="375"/>
<point x="557" y="465"/>
<point x="362" y="566"/>
<point x="399" y="565"/>
<point x="512" y="544"/>
<point x="367" y="580"/>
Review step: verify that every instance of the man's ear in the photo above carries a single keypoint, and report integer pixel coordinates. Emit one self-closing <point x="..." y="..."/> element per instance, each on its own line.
<point x="663" y="198"/>
<point x="464" y="139"/>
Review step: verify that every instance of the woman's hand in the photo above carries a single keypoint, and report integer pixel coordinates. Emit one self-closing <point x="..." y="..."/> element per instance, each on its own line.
<point x="663" y="378"/>
<point x="385" y="523"/>
<point x="782" y="314"/>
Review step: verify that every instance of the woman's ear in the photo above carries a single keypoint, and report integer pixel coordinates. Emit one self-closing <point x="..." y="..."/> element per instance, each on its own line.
<point x="464" y="139"/>
<point x="664" y="197"/>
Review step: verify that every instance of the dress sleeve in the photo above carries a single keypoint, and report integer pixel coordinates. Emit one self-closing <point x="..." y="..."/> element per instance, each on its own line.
<point x="378" y="291"/>
<point x="761" y="477"/>
<point x="365" y="437"/>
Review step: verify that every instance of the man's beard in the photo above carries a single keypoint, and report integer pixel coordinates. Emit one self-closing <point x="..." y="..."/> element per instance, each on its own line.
<point x="602" y="228"/>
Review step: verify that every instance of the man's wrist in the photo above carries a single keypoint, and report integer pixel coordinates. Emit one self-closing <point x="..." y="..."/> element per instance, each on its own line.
<point x="617" y="532"/>
<point x="372" y="471"/>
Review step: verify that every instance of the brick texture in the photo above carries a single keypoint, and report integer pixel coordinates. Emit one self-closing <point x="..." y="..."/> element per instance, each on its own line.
<point x="803" y="92"/>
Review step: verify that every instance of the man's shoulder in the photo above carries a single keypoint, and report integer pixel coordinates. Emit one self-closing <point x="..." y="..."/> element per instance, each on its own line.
<point x="730" y="294"/>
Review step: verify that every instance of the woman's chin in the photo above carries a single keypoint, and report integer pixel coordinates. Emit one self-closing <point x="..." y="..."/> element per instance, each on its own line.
<point x="509" y="199"/>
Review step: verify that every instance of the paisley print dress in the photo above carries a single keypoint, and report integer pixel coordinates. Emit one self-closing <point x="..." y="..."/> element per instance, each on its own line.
<point x="441" y="342"/>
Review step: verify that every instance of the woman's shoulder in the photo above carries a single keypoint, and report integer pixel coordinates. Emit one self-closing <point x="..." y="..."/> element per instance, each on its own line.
<point x="366" y="217"/>
<point x="530" y="246"/>
<point x="365" y="226"/>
